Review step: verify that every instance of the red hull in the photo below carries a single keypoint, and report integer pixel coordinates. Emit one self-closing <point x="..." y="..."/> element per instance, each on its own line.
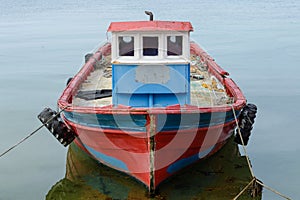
<point x="152" y="157"/>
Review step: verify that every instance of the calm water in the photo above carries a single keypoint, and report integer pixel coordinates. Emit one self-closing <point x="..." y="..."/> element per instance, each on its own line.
<point x="42" y="44"/>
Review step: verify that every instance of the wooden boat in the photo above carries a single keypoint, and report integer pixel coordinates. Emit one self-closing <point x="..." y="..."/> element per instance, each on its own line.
<point x="149" y="102"/>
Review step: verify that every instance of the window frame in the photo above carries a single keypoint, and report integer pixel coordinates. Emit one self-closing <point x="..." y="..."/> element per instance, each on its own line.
<point x="115" y="53"/>
<point x="118" y="49"/>
<point x="162" y="47"/>
<point x="182" y="45"/>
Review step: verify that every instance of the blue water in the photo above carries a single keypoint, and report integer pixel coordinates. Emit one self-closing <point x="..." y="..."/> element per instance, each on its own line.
<point x="42" y="43"/>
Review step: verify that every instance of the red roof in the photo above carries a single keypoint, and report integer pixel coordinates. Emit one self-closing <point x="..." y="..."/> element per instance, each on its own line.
<point x="150" y="26"/>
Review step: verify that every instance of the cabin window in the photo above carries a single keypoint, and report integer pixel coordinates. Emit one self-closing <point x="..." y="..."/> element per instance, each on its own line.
<point x="150" y="46"/>
<point x="174" y="45"/>
<point x="126" y="46"/>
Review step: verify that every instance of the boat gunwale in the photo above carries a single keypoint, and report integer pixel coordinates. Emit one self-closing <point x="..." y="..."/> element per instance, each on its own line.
<point x="231" y="88"/>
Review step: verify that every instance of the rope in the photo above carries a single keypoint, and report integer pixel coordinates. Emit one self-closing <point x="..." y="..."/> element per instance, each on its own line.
<point x="31" y="134"/>
<point x="245" y="188"/>
<point x="254" y="179"/>
<point x="271" y="189"/>
<point x="243" y="144"/>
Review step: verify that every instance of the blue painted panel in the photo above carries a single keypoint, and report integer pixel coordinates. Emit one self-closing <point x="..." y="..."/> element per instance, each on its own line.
<point x="135" y="100"/>
<point x="193" y="120"/>
<point x="163" y="100"/>
<point x="107" y="159"/>
<point x="153" y="89"/>
<point x="136" y="86"/>
<point x="108" y="121"/>
<point x="182" y="163"/>
<point x="176" y="166"/>
<point x="125" y="80"/>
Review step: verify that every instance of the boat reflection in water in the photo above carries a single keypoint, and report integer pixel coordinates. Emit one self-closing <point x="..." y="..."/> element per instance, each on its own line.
<point x="221" y="176"/>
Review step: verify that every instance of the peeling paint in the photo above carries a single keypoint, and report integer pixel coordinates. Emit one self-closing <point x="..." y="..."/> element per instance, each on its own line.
<point x="152" y="131"/>
<point x="155" y="74"/>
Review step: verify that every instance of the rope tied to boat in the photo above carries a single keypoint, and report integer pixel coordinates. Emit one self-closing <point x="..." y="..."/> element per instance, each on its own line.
<point x="254" y="179"/>
<point x="33" y="132"/>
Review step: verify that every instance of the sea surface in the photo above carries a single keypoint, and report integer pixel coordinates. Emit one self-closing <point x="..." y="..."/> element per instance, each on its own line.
<point x="43" y="43"/>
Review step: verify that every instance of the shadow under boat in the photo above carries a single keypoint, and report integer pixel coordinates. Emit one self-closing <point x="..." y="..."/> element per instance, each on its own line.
<point x="221" y="176"/>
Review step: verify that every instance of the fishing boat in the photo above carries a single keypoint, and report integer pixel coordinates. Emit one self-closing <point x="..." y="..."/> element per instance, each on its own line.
<point x="149" y="102"/>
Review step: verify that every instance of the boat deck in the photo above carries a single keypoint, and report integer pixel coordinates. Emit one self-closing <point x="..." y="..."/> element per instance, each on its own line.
<point x="206" y="90"/>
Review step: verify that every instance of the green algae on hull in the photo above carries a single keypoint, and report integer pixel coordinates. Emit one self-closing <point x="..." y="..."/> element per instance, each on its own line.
<point x="221" y="176"/>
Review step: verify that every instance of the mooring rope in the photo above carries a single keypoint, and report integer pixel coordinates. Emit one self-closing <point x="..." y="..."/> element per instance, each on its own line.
<point x="243" y="144"/>
<point x="254" y="179"/>
<point x="32" y="133"/>
<point x="245" y="188"/>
